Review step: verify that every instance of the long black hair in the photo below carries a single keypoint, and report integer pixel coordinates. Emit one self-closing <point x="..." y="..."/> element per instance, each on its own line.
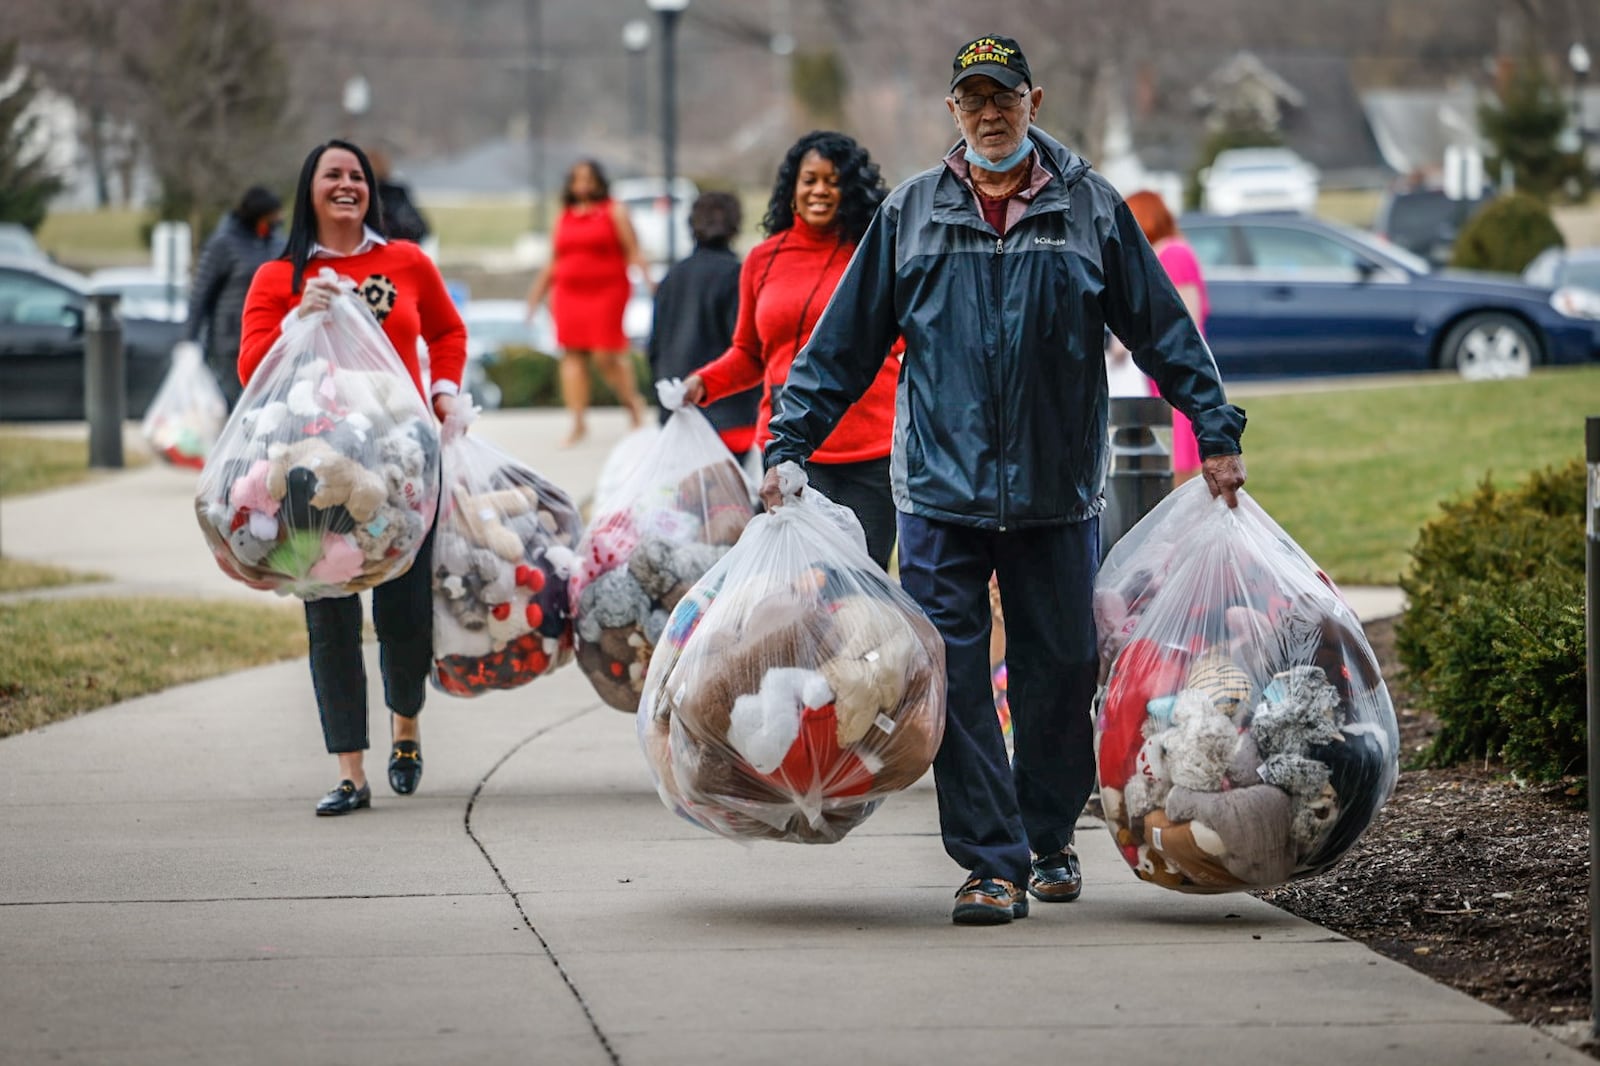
<point x="303" y="228"/>
<point x="599" y="173"/>
<point x="861" y="187"/>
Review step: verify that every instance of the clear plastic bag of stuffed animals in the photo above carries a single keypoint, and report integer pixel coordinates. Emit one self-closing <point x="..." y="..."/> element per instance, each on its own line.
<point x="326" y="478"/>
<point x="796" y="686"/>
<point x="681" y="508"/>
<point x="188" y="412"/>
<point x="502" y="556"/>
<point x="1244" y="734"/>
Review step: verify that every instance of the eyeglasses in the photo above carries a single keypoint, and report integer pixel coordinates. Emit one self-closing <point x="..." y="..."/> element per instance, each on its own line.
<point x="1005" y="100"/>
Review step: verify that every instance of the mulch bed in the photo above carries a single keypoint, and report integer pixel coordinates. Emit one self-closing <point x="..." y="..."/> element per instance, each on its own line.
<point x="1468" y="877"/>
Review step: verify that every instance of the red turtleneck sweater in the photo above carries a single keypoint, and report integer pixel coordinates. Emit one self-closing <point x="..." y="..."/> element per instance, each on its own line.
<point x="784" y="285"/>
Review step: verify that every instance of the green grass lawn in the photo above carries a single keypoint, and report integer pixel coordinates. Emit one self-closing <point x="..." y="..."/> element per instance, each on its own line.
<point x="59" y="658"/>
<point x="19" y="575"/>
<point x="1353" y="475"/>
<point x="33" y="463"/>
<point x="485" y="225"/>
<point x="88" y="239"/>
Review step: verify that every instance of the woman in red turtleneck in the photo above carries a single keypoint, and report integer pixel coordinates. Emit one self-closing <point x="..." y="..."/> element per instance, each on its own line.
<point x="825" y="194"/>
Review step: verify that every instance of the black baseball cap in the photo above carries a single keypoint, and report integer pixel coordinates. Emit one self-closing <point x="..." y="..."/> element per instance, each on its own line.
<point x="999" y="58"/>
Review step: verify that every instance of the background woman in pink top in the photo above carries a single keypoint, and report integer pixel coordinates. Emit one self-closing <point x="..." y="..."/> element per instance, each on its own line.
<point x="1184" y="269"/>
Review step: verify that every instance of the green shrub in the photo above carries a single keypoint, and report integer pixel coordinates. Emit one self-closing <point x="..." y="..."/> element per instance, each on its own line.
<point x="1505" y="234"/>
<point x="1493" y="634"/>
<point x="529" y="378"/>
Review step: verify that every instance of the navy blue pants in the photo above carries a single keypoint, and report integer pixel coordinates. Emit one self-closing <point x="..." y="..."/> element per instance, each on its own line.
<point x="993" y="812"/>
<point x="402" y="617"/>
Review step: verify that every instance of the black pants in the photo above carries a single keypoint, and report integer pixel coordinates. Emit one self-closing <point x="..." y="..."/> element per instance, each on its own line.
<point x="224" y="367"/>
<point x="402" y="617"/>
<point x="990" y="813"/>
<point x="864" y="488"/>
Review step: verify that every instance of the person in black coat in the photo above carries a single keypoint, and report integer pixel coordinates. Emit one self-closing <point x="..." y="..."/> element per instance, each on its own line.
<point x="245" y="238"/>
<point x="697" y="306"/>
<point x="401" y="217"/>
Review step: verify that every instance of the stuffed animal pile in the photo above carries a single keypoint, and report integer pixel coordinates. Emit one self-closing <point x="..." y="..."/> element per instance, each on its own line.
<point x="792" y="692"/>
<point x="326" y="479"/>
<point x="673" y="520"/>
<point x="502" y="556"/>
<point x="187" y="414"/>
<point x="1245" y="735"/>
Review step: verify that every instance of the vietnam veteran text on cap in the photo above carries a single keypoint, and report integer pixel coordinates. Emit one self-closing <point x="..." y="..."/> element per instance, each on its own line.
<point x="999" y="58"/>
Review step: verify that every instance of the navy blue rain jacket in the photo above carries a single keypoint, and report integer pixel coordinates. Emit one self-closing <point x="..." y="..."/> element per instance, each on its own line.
<point x="1001" y="412"/>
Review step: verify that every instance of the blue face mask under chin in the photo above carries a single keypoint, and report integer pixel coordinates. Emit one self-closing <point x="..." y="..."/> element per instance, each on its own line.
<point x="1001" y="164"/>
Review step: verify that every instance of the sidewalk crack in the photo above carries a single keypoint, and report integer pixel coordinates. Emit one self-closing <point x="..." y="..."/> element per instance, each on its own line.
<point x="527" y="920"/>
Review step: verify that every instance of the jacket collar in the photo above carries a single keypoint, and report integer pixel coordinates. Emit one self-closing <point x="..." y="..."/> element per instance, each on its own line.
<point x="952" y="200"/>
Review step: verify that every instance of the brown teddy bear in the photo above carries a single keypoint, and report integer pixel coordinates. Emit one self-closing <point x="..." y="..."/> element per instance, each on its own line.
<point x="481" y="515"/>
<point x="870" y="667"/>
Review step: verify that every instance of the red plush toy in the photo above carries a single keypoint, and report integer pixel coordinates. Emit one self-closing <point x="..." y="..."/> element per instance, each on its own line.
<point x="1143" y="672"/>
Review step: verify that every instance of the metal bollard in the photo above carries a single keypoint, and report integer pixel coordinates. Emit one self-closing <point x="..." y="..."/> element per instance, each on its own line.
<point x="105" y="384"/>
<point x="1141" y="467"/>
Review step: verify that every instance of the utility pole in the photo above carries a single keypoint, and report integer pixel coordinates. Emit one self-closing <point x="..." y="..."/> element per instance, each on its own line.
<point x="533" y="14"/>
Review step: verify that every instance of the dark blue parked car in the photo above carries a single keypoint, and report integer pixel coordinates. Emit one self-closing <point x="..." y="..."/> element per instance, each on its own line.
<point x="42" y="345"/>
<point x="1293" y="297"/>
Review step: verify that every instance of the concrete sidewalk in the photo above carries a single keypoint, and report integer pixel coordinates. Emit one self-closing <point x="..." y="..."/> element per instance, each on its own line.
<point x="166" y="895"/>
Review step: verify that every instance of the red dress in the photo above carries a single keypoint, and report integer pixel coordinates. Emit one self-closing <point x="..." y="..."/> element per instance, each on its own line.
<point x="589" y="284"/>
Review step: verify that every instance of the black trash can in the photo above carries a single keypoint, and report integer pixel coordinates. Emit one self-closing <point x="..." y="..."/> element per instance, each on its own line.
<point x="1140" y="471"/>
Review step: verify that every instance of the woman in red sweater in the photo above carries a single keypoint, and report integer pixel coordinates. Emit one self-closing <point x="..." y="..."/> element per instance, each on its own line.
<point x="338" y="223"/>
<point x="826" y="192"/>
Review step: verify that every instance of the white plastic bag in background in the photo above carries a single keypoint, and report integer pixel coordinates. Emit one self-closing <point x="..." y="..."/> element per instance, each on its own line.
<point x="623" y="459"/>
<point x="186" y="417"/>
<point x="325" y="480"/>
<point x="795" y="687"/>
<point x="682" y="506"/>
<point x="502" y="554"/>
<point x="1244" y="733"/>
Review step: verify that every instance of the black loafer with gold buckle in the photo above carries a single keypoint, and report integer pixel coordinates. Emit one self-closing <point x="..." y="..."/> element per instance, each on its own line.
<point x="405" y="766"/>
<point x="344" y="799"/>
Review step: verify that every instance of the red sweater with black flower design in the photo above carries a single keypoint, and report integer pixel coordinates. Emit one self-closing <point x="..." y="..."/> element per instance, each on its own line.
<point x="421" y="308"/>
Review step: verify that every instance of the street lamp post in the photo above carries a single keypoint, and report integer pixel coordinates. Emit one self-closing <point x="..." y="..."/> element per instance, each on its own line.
<point x="669" y="10"/>
<point x="533" y="19"/>
<point x="1578" y="60"/>
<point x="636" y="38"/>
<point x="356" y="99"/>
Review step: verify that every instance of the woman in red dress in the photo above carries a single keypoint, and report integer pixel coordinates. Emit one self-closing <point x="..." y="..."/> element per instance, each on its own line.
<point x="586" y="278"/>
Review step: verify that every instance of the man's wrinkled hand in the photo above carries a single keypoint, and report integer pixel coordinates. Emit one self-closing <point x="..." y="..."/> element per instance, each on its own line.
<point x="772" y="490"/>
<point x="1224" y="476"/>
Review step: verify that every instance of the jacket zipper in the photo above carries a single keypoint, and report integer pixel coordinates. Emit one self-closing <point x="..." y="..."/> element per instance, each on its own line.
<point x="999" y="370"/>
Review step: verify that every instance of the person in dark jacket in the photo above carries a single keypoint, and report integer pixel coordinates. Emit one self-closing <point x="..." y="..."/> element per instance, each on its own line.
<point x="245" y="238"/>
<point x="697" y="306"/>
<point x="1001" y="267"/>
<point x="401" y="219"/>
